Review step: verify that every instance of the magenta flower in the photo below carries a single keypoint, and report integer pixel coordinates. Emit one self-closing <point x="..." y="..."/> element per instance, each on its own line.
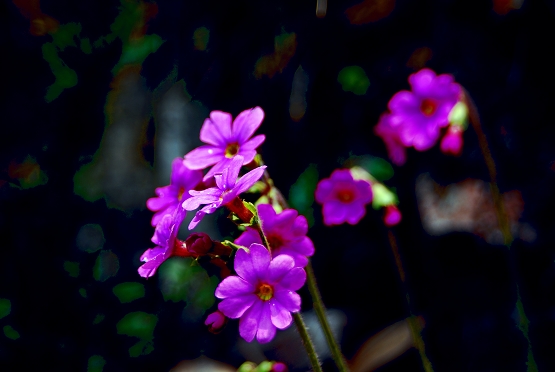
<point x="164" y="237"/>
<point x="452" y="142"/>
<point x="286" y="234"/>
<point x="225" y="140"/>
<point x="419" y="115"/>
<point x="392" y="215"/>
<point x="215" y="322"/>
<point x="389" y="134"/>
<point x="263" y="294"/>
<point x="343" y="198"/>
<point x="228" y="187"/>
<point x="170" y="197"/>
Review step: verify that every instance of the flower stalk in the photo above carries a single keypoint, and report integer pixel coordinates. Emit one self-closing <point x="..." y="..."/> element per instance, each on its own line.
<point x="502" y="217"/>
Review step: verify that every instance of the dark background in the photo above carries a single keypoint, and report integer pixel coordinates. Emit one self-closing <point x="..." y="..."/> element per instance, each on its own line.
<point x="464" y="287"/>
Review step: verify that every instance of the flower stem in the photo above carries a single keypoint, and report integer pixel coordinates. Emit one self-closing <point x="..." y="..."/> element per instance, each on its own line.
<point x="307" y="342"/>
<point x="412" y="320"/>
<point x="321" y="314"/>
<point x="502" y="217"/>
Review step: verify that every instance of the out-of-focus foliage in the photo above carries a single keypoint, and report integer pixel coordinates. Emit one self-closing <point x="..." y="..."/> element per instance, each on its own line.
<point x="129" y="291"/>
<point x="90" y="238"/>
<point x="5" y="307"/>
<point x="369" y="11"/>
<point x="379" y="168"/>
<point x="301" y="193"/>
<point x="285" y="46"/>
<point x="141" y="325"/>
<point x="353" y="79"/>
<point x="72" y="268"/>
<point x="181" y="279"/>
<point x="201" y="36"/>
<point x="96" y="363"/>
<point x="106" y="265"/>
<point x="11" y="333"/>
<point x="28" y="173"/>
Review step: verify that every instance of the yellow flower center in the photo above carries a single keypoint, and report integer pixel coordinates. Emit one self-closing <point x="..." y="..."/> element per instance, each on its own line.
<point x="231" y="150"/>
<point x="265" y="292"/>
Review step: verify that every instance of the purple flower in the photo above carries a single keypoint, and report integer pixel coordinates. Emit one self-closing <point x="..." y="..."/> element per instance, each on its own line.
<point x="419" y="114"/>
<point x="263" y="294"/>
<point x="164" y="237"/>
<point x="344" y="199"/>
<point x="170" y="197"/>
<point x="215" y="322"/>
<point x="286" y="234"/>
<point x="452" y="141"/>
<point x="228" y="187"/>
<point x="389" y="134"/>
<point x="225" y="140"/>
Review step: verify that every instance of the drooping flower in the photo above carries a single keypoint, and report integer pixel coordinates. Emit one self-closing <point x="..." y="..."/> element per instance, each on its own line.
<point x="164" y="237"/>
<point x="285" y="232"/>
<point x="170" y="197"/>
<point x="225" y="140"/>
<point x="389" y="134"/>
<point x="419" y="115"/>
<point x="452" y="142"/>
<point x="215" y="322"/>
<point x="228" y="188"/>
<point x="262" y="293"/>
<point x="343" y="198"/>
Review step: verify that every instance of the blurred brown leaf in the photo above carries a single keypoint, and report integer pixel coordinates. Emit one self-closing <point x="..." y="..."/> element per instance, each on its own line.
<point x="369" y="11"/>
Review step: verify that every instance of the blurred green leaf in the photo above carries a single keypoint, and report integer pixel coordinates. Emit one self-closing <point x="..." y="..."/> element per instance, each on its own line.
<point x="11" y="333"/>
<point x="353" y="79"/>
<point x="5" y="307"/>
<point x="106" y="265"/>
<point x="138" y="324"/>
<point x="98" y="318"/>
<point x="129" y="291"/>
<point x="379" y="168"/>
<point x="72" y="268"/>
<point x="301" y="193"/>
<point x="65" y="35"/>
<point x="96" y="363"/>
<point x="200" y="38"/>
<point x="83" y="292"/>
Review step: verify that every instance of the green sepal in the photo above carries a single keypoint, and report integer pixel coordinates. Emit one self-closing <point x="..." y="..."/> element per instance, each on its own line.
<point x="459" y="115"/>
<point x="382" y="196"/>
<point x="234" y="246"/>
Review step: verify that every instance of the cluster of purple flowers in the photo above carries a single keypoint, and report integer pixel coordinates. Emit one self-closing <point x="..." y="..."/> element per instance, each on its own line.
<point x="418" y="117"/>
<point x="262" y="294"/>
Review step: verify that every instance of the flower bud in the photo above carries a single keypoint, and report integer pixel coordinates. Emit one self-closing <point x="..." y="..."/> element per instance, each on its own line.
<point x="199" y="243"/>
<point x="279" y="367"/>
<point x="452" y="142"/>
<point x="215" y="322"/>
<point x="392" y="215"/>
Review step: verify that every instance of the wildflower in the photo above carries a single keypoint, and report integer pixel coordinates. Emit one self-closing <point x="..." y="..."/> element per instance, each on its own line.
<point x="343" y="198"/>
<point x="392" y="215"/>
<point x="419" y="114"/>
<point x="262" y="294"/>
<point x="286" y="234"/>
<point x="452" y="142"/>
<point x="165" y="239"/>
<point x="170" y="197"/>
<point x="215" y="322"/>
<point x="226" y="140"/>
<point x="390" y="136"/>
<point x="228" y="188"/>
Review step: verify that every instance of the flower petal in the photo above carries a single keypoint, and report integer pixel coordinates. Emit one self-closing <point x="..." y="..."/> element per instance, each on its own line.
<point x="252" y="266"/>
<point x="233" y="286"/>
<point x="292" y="281"/>
<point x="266" y="329"/>
<point x="253" y="143"/>
<point x="203" y="156"/>
<point x="248" y="180"/>
<point x="216" y="130"/>
<point x="289" y="300"/>
<point x="248" y="237"/>
<point x="233" y="171"/>
<point x="281" y="317"/>
<point x="335" y="213"/>
<point x="279" y="267"/>
<point x="210" y="196"/>
<point x="219" y="167"/>
<point x="235" y="307"/>
<point x="248" y="325"/>
<point x="246" y="123"/>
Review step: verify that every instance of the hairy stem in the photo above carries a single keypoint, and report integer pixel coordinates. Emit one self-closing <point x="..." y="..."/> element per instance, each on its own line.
<point x="502" y="217"/>
<point x="412" y="320"/>
<point x="321" y="314"/>
<point x="307" y="342"/>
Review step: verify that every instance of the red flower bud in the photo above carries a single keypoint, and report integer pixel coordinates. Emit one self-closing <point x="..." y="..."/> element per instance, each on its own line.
<point x="215" y="322"/>
<point x="199" y="243"/>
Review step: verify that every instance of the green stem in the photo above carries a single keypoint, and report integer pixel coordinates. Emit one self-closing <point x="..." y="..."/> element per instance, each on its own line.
<point x="321" y="314"/>
<point x="502" y="218"/>
<point x="415" y="328"/>
<point x="307" y="342"/>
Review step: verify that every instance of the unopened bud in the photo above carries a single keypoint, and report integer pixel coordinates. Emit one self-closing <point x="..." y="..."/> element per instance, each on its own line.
<point x="452" y="142"/>
<point x="392" y="215"/>
<point x="199" y="243"/>
<point x="215" y="322"/>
